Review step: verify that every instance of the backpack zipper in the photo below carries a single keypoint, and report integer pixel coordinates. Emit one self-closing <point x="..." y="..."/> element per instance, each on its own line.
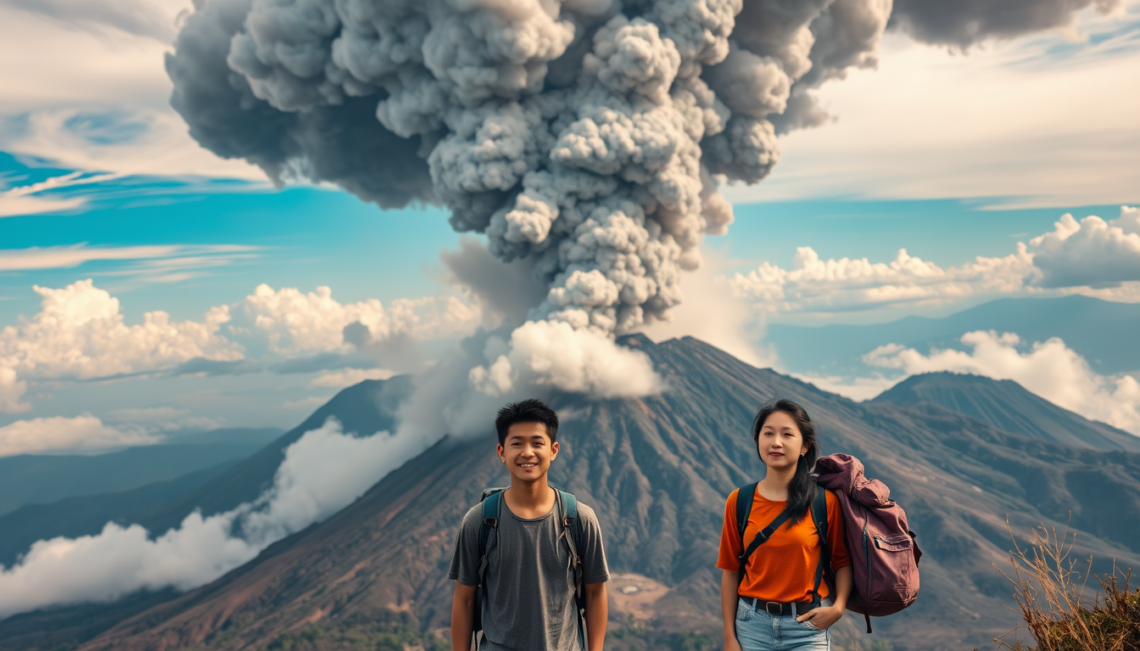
<point x="867" y="555"/>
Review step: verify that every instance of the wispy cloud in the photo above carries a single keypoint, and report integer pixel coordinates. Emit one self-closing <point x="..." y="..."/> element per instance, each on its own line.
<point x="43" y="197"/>
<point x="153" y="19"/>
<point x="159" y="258"/>
<point x="1045" y="121"/>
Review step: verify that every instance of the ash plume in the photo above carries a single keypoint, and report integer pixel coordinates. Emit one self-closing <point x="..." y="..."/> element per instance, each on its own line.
<point x="586" y="138"/>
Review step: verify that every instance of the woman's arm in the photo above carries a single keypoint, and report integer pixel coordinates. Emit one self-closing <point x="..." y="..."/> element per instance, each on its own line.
<point x="729" y="582"/>
<point x="597" y="613"/>
<point x="844" y="579"/>
<point x="462" y="616"/>
<point x="824" y="616"/>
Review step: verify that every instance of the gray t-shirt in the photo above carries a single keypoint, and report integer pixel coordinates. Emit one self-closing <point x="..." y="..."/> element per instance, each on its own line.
<point x="530" y="581"/>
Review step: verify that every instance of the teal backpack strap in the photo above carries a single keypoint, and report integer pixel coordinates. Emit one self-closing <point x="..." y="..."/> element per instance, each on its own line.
<point x="819" y="516"/>
<point x="492" y="510"/>
<point x="572" y="533"/>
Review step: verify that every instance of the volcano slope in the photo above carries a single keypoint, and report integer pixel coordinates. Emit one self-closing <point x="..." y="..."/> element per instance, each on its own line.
<point x="657" y="471"/>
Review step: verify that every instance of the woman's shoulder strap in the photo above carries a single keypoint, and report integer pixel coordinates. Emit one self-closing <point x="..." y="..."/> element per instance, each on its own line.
<point x="744" y="497"/>
<point x="819" y="512"/>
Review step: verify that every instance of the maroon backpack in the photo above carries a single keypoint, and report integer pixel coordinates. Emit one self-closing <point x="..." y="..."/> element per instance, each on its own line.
<point x="884" y="554"/>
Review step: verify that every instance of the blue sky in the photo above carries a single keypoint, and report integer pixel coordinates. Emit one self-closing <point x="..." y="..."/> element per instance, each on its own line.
<point x="952" y="157"/>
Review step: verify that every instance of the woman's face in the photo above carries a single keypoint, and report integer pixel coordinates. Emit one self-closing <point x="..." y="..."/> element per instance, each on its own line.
<point x="780" y="442"/>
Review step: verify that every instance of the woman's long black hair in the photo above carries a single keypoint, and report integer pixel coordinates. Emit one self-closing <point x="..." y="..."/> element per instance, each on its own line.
<point x="801" y="491"/>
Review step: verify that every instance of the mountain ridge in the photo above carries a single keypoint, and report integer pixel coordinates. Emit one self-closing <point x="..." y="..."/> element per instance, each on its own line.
<point x="1007" y="405"/>
<point x="656" y="470"/>
<point x="40" y="479"/>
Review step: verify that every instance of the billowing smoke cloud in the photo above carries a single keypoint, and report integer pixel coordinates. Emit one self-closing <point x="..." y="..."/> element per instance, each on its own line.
<point x="324" y="471"/>
<point x="585" y="137"/>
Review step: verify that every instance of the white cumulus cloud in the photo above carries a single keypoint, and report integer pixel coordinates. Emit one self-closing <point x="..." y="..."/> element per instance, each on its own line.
<point x="817" y="285"/>
<point x="1093" y="257"/>
<point x="855" y="388"/>
<point x="1049" y="369"/>
<point x="554" y="354"/>
<point x="79" y="333"/>
<point x="324" y="471"/>
<point x="57" y="433"/>
<point x="1090" y="252"/>
<point x="12" y="389"/>
<point x="297" y="322"/>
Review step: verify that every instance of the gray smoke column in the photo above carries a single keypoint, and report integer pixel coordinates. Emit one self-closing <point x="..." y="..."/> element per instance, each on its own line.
<point x="585" y="137"/>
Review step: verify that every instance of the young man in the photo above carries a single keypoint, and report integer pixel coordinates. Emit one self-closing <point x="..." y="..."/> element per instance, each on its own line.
<point x="529" y="597"/>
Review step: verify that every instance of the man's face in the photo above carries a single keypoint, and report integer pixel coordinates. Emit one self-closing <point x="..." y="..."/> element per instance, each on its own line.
<point x="527" y="451"/>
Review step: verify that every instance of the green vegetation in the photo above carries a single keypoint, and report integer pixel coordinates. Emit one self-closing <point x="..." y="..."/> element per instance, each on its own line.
<point x="1051" y="595"/>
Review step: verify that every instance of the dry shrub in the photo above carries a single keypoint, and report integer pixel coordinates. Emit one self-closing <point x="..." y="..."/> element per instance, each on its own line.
<point x="1058" y="613"/>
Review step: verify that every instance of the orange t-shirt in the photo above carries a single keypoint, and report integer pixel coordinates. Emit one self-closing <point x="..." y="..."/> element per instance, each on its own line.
<point x="783" y="568"/>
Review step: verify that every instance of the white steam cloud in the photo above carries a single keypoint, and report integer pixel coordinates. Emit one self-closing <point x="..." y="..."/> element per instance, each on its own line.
<point x="324" y="471"/>
<point x="553" y="354"/>
<point x="1049" y="369"/>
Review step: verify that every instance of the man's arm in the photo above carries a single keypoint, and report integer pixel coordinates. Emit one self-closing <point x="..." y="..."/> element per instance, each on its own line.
<point x="597" y="614"/>
<point x="462" y="617"/>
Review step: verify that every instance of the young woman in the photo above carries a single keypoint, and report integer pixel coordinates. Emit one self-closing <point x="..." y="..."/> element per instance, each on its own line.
<point x="773" y="601"/>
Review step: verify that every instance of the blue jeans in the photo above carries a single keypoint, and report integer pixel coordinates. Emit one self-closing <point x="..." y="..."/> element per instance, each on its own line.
<point x="757" y="630"/>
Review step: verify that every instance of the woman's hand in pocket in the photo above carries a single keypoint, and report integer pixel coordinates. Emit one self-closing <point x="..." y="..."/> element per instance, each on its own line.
<point x="731" y="644"/>
<point x="822" y="617"/>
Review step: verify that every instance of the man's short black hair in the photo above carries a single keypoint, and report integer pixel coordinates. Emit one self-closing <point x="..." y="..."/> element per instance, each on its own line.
<point x="526" y="411"/>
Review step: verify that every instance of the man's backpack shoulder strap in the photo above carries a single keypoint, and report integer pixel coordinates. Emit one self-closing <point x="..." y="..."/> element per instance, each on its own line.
<point x="492" y="509"/>
<point x="568" y="509"/>
<point x="572" y="531"/>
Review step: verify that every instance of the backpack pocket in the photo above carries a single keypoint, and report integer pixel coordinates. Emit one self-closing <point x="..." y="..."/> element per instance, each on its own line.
<point x="894" y="543"/>
<point x="892" y="568"/>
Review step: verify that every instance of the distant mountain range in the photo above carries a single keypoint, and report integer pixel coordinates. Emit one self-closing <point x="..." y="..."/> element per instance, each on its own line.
<point x="657" y="471"/>
<point x="1104" y="333"/>
<point x="40" y="479"/>
<point x="1007" y="405"/>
